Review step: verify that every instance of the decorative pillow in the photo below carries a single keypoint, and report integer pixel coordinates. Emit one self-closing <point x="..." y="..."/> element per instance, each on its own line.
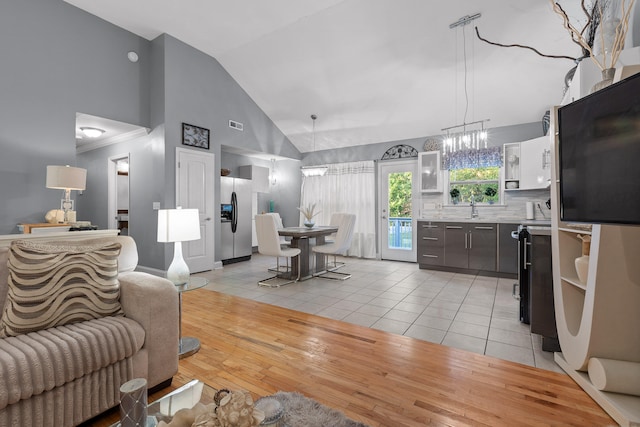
<point x="53" y="284"/>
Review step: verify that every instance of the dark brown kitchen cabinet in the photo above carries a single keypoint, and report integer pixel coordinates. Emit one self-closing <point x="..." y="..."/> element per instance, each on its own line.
<point x="541" y="299"/>
<point x="430" y="243"/>
<point x="507" y="249"/>
<point x="470" y="245"/>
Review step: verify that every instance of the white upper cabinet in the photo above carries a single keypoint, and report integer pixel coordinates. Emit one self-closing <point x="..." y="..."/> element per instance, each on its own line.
<point x="429" y="167"/>
<point x="527" y="164"/>
<point x="535" y="167"/>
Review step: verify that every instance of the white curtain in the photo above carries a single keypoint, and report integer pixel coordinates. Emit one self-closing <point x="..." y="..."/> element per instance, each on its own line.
<point x="350" y="188"/>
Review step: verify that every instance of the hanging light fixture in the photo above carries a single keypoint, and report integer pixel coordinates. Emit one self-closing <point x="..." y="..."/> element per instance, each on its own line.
<point x="464" y="139"/>
<point x="273" y="172"/>
<point x="314" y="170"/>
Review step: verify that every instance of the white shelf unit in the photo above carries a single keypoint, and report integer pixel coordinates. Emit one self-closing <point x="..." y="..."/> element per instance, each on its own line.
<point x="512" y="166"/>
<point x="598" y="318"/>
<point x="572" y="249"/>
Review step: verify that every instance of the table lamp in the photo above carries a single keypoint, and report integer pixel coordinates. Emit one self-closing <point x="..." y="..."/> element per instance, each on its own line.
<point x="178" y="225"/>
<point x="66" y="178"/>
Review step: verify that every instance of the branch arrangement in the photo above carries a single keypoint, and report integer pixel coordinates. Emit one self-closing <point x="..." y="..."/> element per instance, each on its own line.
<point x="523" y="47"/>
<point x="578" y="36"/>
<point x="586" y="36"/>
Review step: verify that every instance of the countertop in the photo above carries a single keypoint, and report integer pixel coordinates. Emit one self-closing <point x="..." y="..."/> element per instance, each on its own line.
<point x="540" y="222"/>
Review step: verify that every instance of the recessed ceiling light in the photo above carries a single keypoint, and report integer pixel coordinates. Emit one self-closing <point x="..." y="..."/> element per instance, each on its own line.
<point x="92" y="132"/>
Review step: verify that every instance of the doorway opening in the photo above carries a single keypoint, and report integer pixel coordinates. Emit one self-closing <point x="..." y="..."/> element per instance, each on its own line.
<point x="118" y="193"/>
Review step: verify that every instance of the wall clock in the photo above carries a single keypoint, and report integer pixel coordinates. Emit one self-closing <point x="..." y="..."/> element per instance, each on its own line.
<point x="195" y="136"/>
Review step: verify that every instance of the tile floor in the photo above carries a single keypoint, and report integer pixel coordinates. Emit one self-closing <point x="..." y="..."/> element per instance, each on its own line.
<point x="473" y="313"/>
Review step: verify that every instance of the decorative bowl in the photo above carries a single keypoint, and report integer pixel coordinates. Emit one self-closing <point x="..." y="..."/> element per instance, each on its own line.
<point x="224" y="172"/>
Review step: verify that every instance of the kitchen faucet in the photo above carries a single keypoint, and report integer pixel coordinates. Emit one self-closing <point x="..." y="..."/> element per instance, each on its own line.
<point x="474" y="209"/>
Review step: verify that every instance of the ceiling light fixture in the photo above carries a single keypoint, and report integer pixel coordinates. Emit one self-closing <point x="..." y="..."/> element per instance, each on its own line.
<point x="465" y="139"/>
<point x="92" y="132"/>
<point x="314" y="170"/>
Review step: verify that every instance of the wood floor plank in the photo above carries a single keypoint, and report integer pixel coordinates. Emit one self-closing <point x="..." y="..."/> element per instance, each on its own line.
<point x="372" y="376"/>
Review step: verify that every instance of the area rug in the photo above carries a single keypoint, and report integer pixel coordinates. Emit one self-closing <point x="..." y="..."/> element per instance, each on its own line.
<point x="301" y="411"/>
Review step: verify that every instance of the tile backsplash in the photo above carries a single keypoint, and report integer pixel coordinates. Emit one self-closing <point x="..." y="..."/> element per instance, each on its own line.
<point x="513" y="207"/>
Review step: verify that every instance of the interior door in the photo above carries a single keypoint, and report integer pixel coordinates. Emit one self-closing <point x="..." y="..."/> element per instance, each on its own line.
<point x="195" y="190"/>
<point x="397" y="227"/>
<point x="118" y="193"/>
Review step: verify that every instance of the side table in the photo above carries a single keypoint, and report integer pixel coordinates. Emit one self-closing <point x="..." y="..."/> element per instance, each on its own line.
<point x="189" y="345"/>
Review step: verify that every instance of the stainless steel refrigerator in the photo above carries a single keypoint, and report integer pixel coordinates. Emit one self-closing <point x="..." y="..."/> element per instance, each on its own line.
<point x="235" y="199"/>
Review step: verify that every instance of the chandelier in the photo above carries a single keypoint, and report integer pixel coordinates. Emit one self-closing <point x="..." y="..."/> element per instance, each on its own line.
<point x="464" y="139"/>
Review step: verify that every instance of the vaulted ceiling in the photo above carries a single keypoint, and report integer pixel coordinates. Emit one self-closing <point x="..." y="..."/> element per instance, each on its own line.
<point x="372" y="70"/>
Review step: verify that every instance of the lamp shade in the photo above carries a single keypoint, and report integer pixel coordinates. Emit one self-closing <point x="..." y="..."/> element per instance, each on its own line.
<point x="178" y="225"/>
<point x="66" y="177"/>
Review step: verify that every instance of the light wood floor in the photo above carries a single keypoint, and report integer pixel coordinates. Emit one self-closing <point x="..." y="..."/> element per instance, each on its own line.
<point x="372" y="376"/>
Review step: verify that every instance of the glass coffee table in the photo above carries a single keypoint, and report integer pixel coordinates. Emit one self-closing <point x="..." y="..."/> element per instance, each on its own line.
<point x="184" y="397"/>
<point x="196" y="391"/>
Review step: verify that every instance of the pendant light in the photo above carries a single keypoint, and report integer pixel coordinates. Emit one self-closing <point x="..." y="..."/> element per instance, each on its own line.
<point x="313" y="170"/>
<point x="465" y="139"/>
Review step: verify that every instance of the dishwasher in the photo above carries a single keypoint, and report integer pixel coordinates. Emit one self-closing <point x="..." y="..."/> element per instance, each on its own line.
<point x="534" y="287"/>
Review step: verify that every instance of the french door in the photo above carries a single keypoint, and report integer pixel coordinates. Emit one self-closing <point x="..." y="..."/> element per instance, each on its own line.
<point x="397" y="188"/>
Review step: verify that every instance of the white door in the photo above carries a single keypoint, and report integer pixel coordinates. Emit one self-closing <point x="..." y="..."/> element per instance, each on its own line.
<point x="194" y="190"/>
<point x="397" y="188"/>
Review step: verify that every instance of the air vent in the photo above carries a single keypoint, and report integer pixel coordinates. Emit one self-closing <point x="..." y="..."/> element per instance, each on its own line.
<point x="235" y="125"/>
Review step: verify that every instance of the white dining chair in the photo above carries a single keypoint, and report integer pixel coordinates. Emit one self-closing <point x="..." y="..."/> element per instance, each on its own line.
<point x="340" y="246"/>
<point x="336" y="219"/>
<point x="333" y="222"/>
<point x="269" y="244"/>
<point x="283" y="242"/>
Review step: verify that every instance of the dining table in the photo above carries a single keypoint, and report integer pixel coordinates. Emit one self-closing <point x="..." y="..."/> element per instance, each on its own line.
<point x="300" y="238"/>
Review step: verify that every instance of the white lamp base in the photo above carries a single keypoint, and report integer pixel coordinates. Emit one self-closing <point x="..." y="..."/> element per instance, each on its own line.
<point x="178" y="271"/>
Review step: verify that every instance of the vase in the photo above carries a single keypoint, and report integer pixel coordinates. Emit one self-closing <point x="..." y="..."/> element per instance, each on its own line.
<point x="582" y="268"/>
<point x="607" y="79"/>
<point x="309" y="223"/>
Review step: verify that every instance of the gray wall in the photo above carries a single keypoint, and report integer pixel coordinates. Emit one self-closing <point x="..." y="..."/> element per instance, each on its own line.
<point x="57" y="60"/>
<point x="285" y="193"/>
<point x="497" y="137"/>
<point x="146" y="185"/>
<point x="199" y="91"/>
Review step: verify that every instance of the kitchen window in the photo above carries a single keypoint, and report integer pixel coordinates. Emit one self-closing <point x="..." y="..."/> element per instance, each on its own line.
<point x="473" y="173"/>
<point x="483" y="183"/>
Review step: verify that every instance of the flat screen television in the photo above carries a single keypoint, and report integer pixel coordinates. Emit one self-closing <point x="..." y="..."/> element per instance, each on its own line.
<point x="599" y="156"/>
